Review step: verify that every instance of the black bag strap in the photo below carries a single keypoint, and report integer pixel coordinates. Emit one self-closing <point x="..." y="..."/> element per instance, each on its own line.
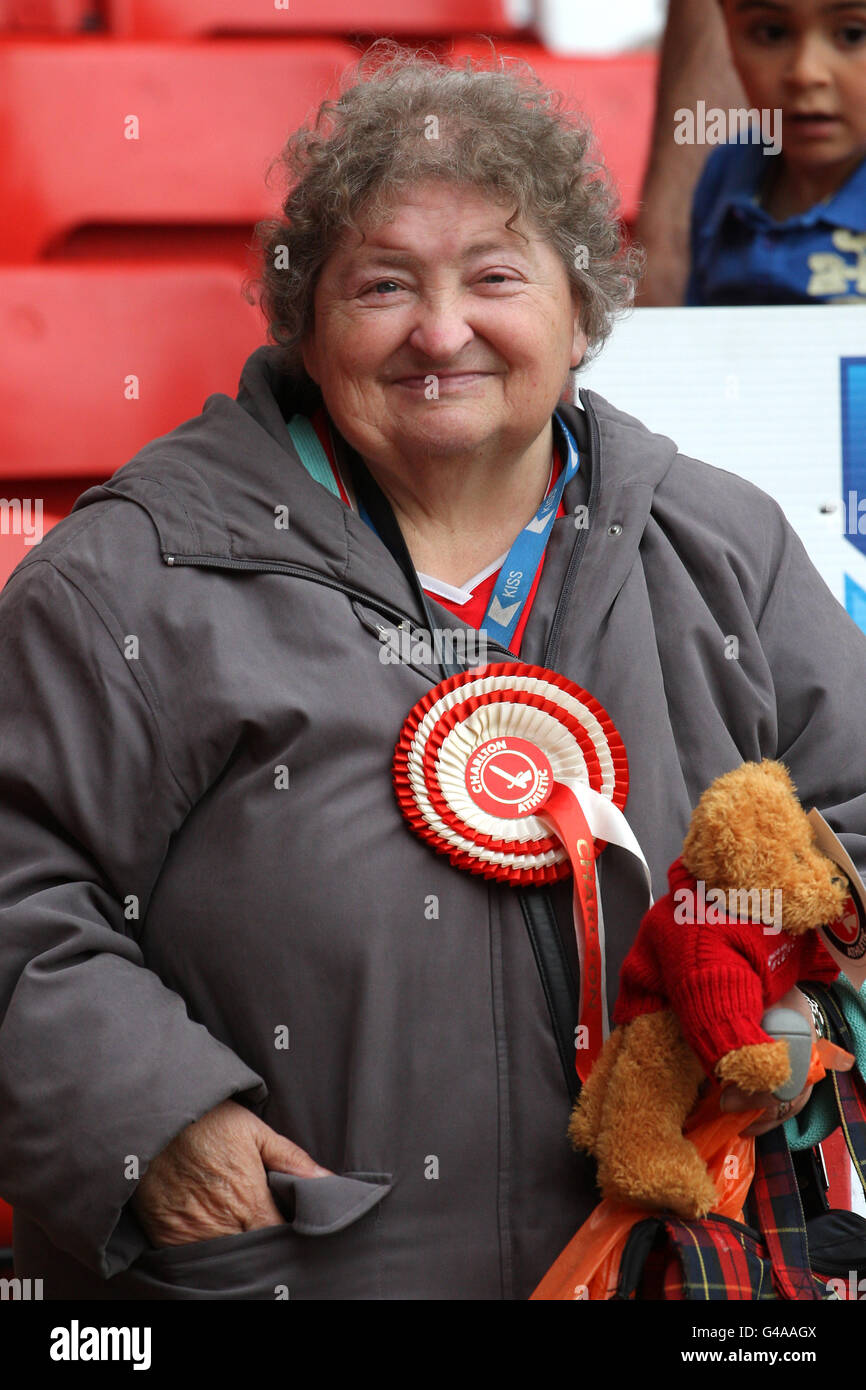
<point x="849" y="1095"/>
<point x="837" y="1023"/>
<point x="556" y="977"/>
<point x="639" y="1244"/>
<point x="536" y="906"/>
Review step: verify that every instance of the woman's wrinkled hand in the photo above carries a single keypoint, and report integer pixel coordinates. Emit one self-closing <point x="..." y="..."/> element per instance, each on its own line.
<point x="211" y="1179"/>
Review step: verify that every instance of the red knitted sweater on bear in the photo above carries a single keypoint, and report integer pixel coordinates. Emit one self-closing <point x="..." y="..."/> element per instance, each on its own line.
<point x="718" y="976"/>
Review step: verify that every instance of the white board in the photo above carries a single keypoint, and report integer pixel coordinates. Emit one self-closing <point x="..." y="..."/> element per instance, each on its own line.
<point x="759" y="391"/>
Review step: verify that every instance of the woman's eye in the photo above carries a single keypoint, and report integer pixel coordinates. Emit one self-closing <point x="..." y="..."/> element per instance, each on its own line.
<point x="380" y="288"/>
<point x="851" y="35"/>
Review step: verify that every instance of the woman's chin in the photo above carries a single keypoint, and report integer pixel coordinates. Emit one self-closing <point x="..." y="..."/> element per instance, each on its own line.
<point x="458" y="415"/>
<point x="450" y="430"/>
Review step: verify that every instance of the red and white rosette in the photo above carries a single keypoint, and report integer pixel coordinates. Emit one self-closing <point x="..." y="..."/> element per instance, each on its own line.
<point x="518" y="774"/>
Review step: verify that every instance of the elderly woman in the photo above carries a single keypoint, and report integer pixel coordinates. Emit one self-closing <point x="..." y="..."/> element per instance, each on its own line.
<point x="259" y="1041"/>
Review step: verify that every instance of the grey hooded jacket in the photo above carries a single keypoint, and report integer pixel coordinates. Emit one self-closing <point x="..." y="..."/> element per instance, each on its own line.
<point x="207" y="888"/>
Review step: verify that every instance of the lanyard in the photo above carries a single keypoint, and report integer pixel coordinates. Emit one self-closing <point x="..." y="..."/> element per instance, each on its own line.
<point x="515" y="578"/>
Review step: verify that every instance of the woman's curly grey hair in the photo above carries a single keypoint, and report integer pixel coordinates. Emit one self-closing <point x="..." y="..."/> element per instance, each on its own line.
<point x="495" y="127"/>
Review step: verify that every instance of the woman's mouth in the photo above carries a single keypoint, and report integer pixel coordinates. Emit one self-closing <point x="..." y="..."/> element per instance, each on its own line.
<point x="439" y="383"/>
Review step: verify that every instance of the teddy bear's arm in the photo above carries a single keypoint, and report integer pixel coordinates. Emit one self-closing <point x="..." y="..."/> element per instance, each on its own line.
<point x="720" y="1010"/>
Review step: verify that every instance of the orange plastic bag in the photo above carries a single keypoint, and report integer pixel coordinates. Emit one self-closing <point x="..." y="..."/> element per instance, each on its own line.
<point x="588" y="1267"/>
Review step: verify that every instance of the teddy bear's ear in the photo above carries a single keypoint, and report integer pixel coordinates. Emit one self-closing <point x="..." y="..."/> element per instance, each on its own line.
<point x="735" y="813"/>
<point x="777" y="770"/>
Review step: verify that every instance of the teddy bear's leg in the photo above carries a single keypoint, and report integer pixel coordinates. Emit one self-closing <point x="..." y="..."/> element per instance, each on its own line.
<point x="643" y="1157"/>
<point x="586" y="1116"/>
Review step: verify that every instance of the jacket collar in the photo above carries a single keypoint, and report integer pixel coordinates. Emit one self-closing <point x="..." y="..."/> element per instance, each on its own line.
<point x="221" y="485"/>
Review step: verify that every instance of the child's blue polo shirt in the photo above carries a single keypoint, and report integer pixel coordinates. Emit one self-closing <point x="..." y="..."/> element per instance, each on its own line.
<point x="741" y="255"/>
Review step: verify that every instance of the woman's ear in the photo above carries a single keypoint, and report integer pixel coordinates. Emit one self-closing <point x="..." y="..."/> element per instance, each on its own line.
<point x="579" y="344"/>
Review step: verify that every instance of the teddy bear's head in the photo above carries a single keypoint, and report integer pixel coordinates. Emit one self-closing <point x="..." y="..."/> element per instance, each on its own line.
<point x="750" y="833"/>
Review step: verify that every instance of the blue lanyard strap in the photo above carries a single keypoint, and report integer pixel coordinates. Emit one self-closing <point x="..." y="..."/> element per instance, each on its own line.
<point x="515" y="578"/>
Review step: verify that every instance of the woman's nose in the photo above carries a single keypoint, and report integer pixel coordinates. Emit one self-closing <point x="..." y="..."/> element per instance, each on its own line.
<point x="441" y="330"/>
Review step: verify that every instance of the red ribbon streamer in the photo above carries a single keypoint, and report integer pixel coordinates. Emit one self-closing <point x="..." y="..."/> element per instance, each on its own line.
<point x="564" y="812"/>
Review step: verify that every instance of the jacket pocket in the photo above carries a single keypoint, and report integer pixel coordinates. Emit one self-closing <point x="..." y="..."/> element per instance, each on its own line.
<point x="328" y="1248"/>
<point x="323" y="1206"/>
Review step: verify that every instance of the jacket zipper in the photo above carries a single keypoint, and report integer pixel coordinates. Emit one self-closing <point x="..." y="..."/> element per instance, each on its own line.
<point x="387" y="609"/>
<point x="300" y="572"/>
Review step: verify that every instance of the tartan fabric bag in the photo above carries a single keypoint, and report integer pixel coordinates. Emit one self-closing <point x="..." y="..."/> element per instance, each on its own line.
<point x="779" y="1255"/>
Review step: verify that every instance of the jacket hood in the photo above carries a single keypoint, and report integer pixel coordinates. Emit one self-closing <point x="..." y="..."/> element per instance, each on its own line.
<point x="215" y="486"/>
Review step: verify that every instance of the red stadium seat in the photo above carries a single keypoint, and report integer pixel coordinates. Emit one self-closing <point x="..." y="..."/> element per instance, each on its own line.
<point x="209" y="118"/>
<point x="618" y="96"/>
<point x="49" y="16"/>
<point x="153" y="19"/>
<point x="79" y="341"/>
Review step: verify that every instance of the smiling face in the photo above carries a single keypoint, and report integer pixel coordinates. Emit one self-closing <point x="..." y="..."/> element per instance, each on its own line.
<point x="807" y="58"/>
<point x="443" y="331"/>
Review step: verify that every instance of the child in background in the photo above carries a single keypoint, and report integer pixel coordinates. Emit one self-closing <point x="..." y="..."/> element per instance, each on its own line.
<point x="789" y="228"/>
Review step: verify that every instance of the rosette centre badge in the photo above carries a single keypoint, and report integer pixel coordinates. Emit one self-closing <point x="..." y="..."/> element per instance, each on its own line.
<point x="509" y="777"/>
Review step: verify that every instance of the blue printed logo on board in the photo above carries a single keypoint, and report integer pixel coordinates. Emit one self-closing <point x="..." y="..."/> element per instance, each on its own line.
<point x="853" y="384"/>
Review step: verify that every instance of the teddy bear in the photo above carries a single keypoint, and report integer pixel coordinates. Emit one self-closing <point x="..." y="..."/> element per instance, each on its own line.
<point x="734" y="933"/>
